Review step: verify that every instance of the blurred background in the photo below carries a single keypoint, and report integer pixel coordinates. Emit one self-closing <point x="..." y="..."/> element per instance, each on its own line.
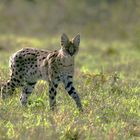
<point x="109" y="29"/>
<point x="102" y="19"/>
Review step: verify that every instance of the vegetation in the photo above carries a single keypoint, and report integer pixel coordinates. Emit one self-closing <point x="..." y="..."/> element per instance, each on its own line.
<point x="106" y="75"/>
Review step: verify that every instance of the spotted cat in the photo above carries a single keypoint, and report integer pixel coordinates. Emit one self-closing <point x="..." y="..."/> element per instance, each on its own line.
<point x="29" y="65"/>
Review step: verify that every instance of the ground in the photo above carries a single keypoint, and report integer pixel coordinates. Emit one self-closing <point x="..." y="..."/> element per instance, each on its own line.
<point x="107" y="79"/>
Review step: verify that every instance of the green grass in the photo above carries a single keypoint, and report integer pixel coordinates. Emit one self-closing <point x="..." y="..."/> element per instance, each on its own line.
<point x="107" y="79"/>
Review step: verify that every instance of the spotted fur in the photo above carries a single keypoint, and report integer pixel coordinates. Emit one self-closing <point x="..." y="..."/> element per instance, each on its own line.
<point x="28" y="65"/>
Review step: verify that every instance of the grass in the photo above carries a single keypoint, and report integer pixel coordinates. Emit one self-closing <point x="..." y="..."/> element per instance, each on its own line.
<point x="107" y="79"/>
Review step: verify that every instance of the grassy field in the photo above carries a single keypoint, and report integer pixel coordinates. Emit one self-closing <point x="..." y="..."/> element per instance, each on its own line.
<point x="107" y="72"/>
<point x="107" y="77"/>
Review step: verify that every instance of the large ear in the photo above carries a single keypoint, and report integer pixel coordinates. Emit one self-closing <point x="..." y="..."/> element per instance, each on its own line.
<point x="76" y="40"/>
<point x="64" y="40"/>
